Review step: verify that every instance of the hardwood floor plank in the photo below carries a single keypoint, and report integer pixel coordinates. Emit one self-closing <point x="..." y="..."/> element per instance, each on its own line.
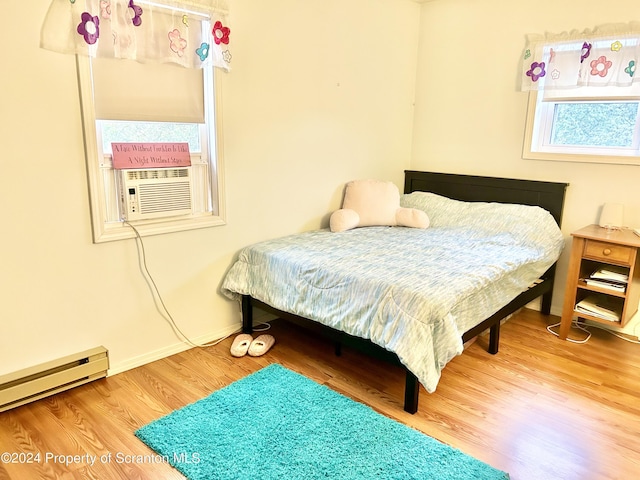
<point x="541" y="408"/>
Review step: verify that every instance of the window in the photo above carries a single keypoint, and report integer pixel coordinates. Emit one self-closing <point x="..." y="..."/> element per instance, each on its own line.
<point x="101" y="129"/>
<point x="156" y="102"/>
<point x="595" y="124"/>
<point x="584" y="98"/>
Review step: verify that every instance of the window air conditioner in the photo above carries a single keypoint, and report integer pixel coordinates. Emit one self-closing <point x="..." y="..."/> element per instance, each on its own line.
<point x="156" y="193"/>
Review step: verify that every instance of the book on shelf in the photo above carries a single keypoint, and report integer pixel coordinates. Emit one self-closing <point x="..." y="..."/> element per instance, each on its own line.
<point x="607" y="284"/>
<point x="612" y="274"/>
<point x="600" y="306"/>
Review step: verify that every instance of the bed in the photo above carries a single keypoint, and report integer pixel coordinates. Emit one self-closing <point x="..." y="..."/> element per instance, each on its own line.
<point x="414" y="296"/>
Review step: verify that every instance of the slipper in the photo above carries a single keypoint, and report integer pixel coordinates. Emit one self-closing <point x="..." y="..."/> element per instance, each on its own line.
<point x="261" y="345"/>
<point x="241" y="344"/>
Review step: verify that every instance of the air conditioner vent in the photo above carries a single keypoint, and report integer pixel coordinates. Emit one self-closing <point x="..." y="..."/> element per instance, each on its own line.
<point x="164" y="197"/>
<point x="157" y="173"/>
<point x="156" y="193"/>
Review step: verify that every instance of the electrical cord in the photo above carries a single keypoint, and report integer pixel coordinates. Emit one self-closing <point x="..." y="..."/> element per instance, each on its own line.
<point x="159" y="302"/>
<point x="576" y="325"/>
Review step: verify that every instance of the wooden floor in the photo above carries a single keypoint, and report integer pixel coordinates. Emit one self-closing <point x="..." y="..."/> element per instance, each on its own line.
<point x="541" y="408"/>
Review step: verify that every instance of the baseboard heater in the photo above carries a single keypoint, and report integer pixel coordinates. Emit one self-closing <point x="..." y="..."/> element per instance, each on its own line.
<point x="39" y="381"/>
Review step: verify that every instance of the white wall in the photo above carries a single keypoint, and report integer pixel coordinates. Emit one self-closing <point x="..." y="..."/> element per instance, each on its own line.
<point x="321" y="92"/>
<point x="470" y="116"/>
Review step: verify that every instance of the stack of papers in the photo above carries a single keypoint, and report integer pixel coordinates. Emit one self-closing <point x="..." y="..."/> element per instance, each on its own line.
<point x="600" y="306"/>
<point x="610" y="277"/>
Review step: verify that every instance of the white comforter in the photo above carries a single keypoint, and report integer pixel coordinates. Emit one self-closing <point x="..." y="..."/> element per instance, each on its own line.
<point x="413" y="292"/>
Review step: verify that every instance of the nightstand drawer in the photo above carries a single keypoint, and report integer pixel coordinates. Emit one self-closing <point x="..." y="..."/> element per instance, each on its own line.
<point x="608" y="251"/>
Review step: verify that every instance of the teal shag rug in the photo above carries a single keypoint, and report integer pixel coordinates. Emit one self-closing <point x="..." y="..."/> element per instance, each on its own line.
<point x="277" y="424"/>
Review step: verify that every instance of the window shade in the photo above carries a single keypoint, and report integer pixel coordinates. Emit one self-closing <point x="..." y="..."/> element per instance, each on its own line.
<point x="589" y="93"/>
<point x="128" y="90"/>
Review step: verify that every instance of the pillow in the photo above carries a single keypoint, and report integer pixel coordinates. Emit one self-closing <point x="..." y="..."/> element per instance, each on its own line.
<point x="442" y="211"/>
<point x="526" y="220"/>
<point x="374" y="203"/>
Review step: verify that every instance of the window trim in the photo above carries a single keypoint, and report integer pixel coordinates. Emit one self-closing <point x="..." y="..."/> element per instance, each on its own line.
<point x="104" y="231"/>
<point x="530" y="139"/>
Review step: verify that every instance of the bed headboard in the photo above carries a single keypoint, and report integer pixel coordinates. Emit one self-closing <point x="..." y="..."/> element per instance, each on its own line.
<point x="471" y="188"/>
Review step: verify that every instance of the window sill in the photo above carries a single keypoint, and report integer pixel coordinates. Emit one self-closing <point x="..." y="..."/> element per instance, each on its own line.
<point x="582" y="158"/>
<point x="121" y="231"/>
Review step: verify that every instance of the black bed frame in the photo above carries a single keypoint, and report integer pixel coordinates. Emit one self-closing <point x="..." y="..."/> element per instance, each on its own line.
<point x="469" y="188"/>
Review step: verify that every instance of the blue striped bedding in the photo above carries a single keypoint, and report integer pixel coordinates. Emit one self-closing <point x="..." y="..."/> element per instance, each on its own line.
<point x="411" y="291"/>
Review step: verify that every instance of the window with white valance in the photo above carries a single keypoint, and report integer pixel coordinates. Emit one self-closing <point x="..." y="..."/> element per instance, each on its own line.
<point x="146" y="74"/>
<point x="584" y="95"/>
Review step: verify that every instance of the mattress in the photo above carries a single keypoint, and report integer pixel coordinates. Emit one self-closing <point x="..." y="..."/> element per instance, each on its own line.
<point x="411" y="291"/>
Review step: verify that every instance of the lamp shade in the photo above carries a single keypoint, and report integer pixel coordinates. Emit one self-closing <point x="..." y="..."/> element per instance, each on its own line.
<point x="612" y="215"/>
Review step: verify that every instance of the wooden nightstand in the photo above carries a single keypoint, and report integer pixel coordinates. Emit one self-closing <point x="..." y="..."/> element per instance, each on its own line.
<point x="595" y="248"/>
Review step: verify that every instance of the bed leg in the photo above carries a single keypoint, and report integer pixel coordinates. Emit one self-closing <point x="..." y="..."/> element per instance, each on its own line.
<point x="247" y="314"/>
<point x="494" y="338"/>
<point x="411" y="391"/>
<point x="545" y="306"/>
<point x="549" y="276"/>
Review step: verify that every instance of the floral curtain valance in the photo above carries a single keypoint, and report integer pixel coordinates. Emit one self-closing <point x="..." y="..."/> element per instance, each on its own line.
<point x="190" y="33"/>
<point x="604" y="56"/>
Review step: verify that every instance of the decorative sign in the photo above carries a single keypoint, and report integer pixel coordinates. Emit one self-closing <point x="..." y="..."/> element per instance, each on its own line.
<point x="150" y="155"/>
